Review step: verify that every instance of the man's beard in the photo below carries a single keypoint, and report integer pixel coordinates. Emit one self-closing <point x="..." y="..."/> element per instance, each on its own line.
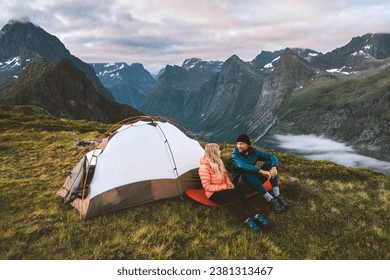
<point x="247" y="151"/>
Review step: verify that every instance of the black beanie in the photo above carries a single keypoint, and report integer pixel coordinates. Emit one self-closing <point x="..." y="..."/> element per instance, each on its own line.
<point x="244" y="138"/>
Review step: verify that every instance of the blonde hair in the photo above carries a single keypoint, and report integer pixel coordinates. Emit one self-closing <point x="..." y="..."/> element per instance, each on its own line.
<point x="213" y="154"/>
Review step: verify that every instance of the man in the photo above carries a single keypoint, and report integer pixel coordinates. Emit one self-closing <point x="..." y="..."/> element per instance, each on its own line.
<point x="244" y="158"/>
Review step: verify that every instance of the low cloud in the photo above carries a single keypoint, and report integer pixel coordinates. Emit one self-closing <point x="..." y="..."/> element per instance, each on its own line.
<point x="320" y="148"/>
<point x="310" y="144"/>
<point x="354" y="160"/>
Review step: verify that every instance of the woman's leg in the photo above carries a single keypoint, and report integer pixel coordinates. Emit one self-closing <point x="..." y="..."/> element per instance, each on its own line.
<point x="247" y="204"/>
<point x="231" y="196"/>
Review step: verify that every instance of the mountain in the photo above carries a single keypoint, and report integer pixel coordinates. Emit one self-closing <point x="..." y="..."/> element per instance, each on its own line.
<point x="234" y="92"/>
<point x="197" y="63"/>
<point x="267" y="61"/>
<point x="129" y="84"/>
<point x="63" y="90"/>
<point x="361" y="53"/>
<point x="157" y="76"/>
<point x="341" y="95"/>
<point x="21" y="42"/>
<point x="355" y="110"/>
<point x="221" y="107"/>
<point x="169" y="95"/>
<point x="291" y="73"/>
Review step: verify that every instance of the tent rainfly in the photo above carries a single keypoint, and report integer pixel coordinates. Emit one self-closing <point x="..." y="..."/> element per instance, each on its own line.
<point x="146" y="159"/>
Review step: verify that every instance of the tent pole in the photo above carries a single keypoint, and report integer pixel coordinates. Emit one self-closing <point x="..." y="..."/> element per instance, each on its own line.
<point x="178" y="185"/>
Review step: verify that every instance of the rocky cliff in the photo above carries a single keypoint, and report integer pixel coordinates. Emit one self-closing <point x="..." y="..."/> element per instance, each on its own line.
<point x="175" y="91"/>
<point x="129" y="84"/>
<point x="353" y="110"/>
<point x="21" y="42"/>
<point x="63" y="90"/>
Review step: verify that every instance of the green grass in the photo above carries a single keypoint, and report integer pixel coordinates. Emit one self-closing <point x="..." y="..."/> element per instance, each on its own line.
<point x="336" y="212"/>
<point x="326" y="91"/>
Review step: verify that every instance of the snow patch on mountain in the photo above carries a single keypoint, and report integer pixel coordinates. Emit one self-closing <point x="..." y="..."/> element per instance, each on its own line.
<point x="341" y="70"/>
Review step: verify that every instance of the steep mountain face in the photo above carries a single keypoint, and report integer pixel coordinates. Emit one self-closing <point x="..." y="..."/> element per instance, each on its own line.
<point x="63" y="90"/>
<point x="129" y="84"/>
<point x="203" y="99"/>
<point x="236" y="90"/>
<point x="354" y="110"/>
<point x="158" y="75"/>
<point x="171" y="93"/>
<point x="291" y="73"/>
<point x="197" y="63"/>
<point x="361" y="53"/>
<point x="21" y="42"/>
<point x="233" y="100"/>
<point x="267" y="61"/>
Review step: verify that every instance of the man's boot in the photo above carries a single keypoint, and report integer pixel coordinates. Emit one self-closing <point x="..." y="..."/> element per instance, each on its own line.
<point x="281" y="201"/>
<point x="277" y="207"/>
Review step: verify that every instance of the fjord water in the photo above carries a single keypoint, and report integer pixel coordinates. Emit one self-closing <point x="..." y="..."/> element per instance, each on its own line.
<point x="320" y="148"/>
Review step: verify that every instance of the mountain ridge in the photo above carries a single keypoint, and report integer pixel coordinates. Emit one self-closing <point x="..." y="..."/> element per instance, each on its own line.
<point x="27" y="41"/>
<point x="129" y="84"/>
<point x="272" y="80"/>
<point x="63" y="90"/>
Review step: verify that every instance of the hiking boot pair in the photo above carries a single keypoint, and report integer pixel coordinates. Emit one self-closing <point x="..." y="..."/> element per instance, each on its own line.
<point x="261" y="219"/>
<point x="254" y="224"/>
<point x="251" y="224"/>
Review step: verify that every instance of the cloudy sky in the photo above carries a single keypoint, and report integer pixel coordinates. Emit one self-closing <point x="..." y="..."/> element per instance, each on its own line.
<point x="157" y="33"/>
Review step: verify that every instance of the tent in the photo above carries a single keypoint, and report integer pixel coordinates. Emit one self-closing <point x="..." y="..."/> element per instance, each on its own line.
<point x="144" y="160"/>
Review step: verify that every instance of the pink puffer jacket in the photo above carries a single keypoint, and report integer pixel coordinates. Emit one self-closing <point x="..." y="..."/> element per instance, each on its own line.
<point x="210" y="182"/>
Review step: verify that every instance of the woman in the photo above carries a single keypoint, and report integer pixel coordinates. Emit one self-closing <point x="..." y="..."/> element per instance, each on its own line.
<point x="219" y="189"/>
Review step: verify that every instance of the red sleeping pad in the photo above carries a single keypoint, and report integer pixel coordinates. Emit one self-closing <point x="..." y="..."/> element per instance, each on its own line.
<point x="199" y="195"/>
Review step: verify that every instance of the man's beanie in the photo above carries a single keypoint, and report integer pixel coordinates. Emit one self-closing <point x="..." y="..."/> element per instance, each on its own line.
<point x="244" y="138"/>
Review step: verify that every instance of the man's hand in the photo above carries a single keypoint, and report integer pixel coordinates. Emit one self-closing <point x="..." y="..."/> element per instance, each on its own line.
<point x="265" y="173"/>
<point x="274" y="172"/>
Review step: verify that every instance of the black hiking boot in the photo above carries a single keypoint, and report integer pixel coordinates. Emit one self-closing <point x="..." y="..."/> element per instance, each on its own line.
<point x="281" y="201"/>
<point x="277" y="207"/>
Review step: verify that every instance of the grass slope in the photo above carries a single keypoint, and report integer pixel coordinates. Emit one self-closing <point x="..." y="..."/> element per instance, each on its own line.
<point x="327" y="91"/>
<point x="336" y="212"/>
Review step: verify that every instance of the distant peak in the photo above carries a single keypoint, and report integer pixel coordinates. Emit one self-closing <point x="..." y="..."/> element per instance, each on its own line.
<point x="137" y="64"/>
<point x="191" y="61"/>
<point x="234" y="58"/>
<point x="17" y="22"/>
<point x="21" y="20"/>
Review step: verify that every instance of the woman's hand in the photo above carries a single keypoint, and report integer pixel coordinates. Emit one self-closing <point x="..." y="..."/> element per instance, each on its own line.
<point x="230" y="187"/>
